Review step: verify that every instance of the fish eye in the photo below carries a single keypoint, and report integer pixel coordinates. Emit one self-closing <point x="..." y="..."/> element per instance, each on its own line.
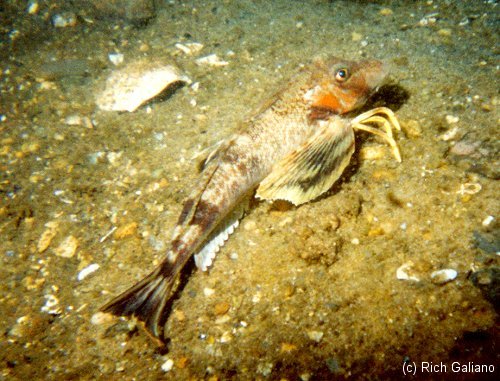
<point x="341" y="74"/>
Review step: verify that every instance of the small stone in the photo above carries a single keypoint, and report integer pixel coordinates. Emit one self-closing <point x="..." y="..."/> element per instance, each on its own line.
<point x="443" y="276"/>
<point x="412" y="128"/>
<point x="444" y="32"/>
<point x="287" y="347"/>
<point x="355" y="36"/>
<point x="101" y="318"/>
<point x="208" y="291"/>
<point x="452" y="119"/>
<point x="127" y="230"/>
<point x="385" y="12"/>
<point x="289" y="290"/>
<point x="167" y="365"/>
<point x="47" y="235"/>
<point x="182" y="362"/>
<point x="179" y="315"/>
<point x="33" y="7"/>
<point x="464" y="148"/>
<point x="226" y="337"/>
<point x="250" y="225"/>
<point x="31" y="283"/>
<point x="372" y="152"/>
<point x="67" y="248"/>
<point x="221" y="308"/>
<point x="116" y="58"/>
<point x="487" y="221"/>
<point x="315" y="335"/>
<point x="222" y="319"/>
<point x="64" y="20"/>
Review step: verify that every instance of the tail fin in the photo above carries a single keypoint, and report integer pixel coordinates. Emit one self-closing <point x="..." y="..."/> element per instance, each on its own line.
<point x="147" y="300"/>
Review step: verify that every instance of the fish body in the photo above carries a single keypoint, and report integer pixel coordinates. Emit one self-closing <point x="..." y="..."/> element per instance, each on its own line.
<point x="294" y="149"/>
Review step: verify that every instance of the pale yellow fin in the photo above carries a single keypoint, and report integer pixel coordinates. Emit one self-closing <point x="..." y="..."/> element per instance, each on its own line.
<point x="311" y="170"/>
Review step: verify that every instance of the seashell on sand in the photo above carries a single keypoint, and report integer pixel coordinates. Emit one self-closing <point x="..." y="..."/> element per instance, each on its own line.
<point x="134" y="84"/>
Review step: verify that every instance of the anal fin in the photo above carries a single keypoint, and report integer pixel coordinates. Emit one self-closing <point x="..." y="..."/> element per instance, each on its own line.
<point x="205" y="256"/>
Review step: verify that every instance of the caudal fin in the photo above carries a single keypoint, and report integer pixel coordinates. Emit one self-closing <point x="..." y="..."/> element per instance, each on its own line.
<point x="147" y="300"/>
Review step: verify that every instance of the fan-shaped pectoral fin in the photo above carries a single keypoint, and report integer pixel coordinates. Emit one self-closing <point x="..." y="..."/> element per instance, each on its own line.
<point x="313" y="168"/>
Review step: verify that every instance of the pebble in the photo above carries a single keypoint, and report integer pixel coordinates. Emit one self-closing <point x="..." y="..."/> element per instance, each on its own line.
<point x="464" y="148"/>
<point x="443" y="276"/>
<point x="452" y="119"/>
<point x="487" y="221"/>
<point x="444" y="32"/>
<point x="372" y="152"/>
<point x="208" y="291"/>
<point x="226" y="337"/>
<point x="412" y="128"/>
<point x="315" y="335"/>
<point x="167" y="365"/>
<point x="47" y="236"/>
<point x="355" y="36"/>
<point x="33" y="7"/>
<point x="385" y="12"/>
<point x="116" y="58"/>
<point x="64" y="20"/>
<point x="101" y="318"/>
<point x="287" y="347"/>
<point x="67" y="248"/>
<point x="87" y="271"/>
<point x="127" y="230"/>
<point x="221" y="308"/>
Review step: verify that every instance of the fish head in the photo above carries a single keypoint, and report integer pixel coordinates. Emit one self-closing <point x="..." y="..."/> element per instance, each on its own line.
<point x="341" y="86"/>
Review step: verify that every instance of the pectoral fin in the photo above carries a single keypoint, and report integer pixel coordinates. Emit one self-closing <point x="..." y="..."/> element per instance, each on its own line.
<point x="311" y="170"/>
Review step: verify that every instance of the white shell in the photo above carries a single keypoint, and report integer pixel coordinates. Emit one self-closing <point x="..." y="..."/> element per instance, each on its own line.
<point x="402" y="272"/>
<point x="211" y="60"/>
<point x="127" y="88"/>
<point x="443" y="276"/>
<point x="87" y="271"/>
<point x="189" y="48"/>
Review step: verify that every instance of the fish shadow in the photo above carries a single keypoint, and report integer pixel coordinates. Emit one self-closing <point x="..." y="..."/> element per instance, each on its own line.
<point x="390" y="95"/>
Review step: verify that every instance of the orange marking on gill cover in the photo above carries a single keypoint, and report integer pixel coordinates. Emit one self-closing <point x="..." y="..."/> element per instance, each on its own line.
<point x="327" y="101"/>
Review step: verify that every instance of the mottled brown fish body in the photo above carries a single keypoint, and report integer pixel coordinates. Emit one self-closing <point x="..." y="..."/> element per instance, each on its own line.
<point x="294" y="149"/>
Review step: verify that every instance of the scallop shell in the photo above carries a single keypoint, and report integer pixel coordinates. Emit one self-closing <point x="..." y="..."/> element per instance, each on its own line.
<point x="139" y="81"/>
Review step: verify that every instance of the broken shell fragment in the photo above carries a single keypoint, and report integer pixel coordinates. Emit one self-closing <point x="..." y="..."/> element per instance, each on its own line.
<point x="189" y="48"/>
<point x="128" y="88"/>
<point x="211" y="60"/>
<point x="404" y="272"/>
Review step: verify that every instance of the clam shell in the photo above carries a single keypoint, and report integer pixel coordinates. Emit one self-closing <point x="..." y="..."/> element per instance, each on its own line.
<point x="128" y="88"/>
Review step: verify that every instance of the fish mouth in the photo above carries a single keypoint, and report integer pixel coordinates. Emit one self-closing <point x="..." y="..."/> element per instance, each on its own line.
<point x="376" y="74"/>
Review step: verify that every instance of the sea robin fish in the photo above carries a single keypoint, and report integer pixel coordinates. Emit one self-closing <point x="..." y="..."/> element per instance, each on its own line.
<point x="294" y="149"/>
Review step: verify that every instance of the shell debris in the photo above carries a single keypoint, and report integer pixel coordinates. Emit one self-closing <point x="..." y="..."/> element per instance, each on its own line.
<point x="189" y="48"/>
<point x="137" y="82"/>
<point x="211" y="60"/>
<point x="443" y="276"/>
